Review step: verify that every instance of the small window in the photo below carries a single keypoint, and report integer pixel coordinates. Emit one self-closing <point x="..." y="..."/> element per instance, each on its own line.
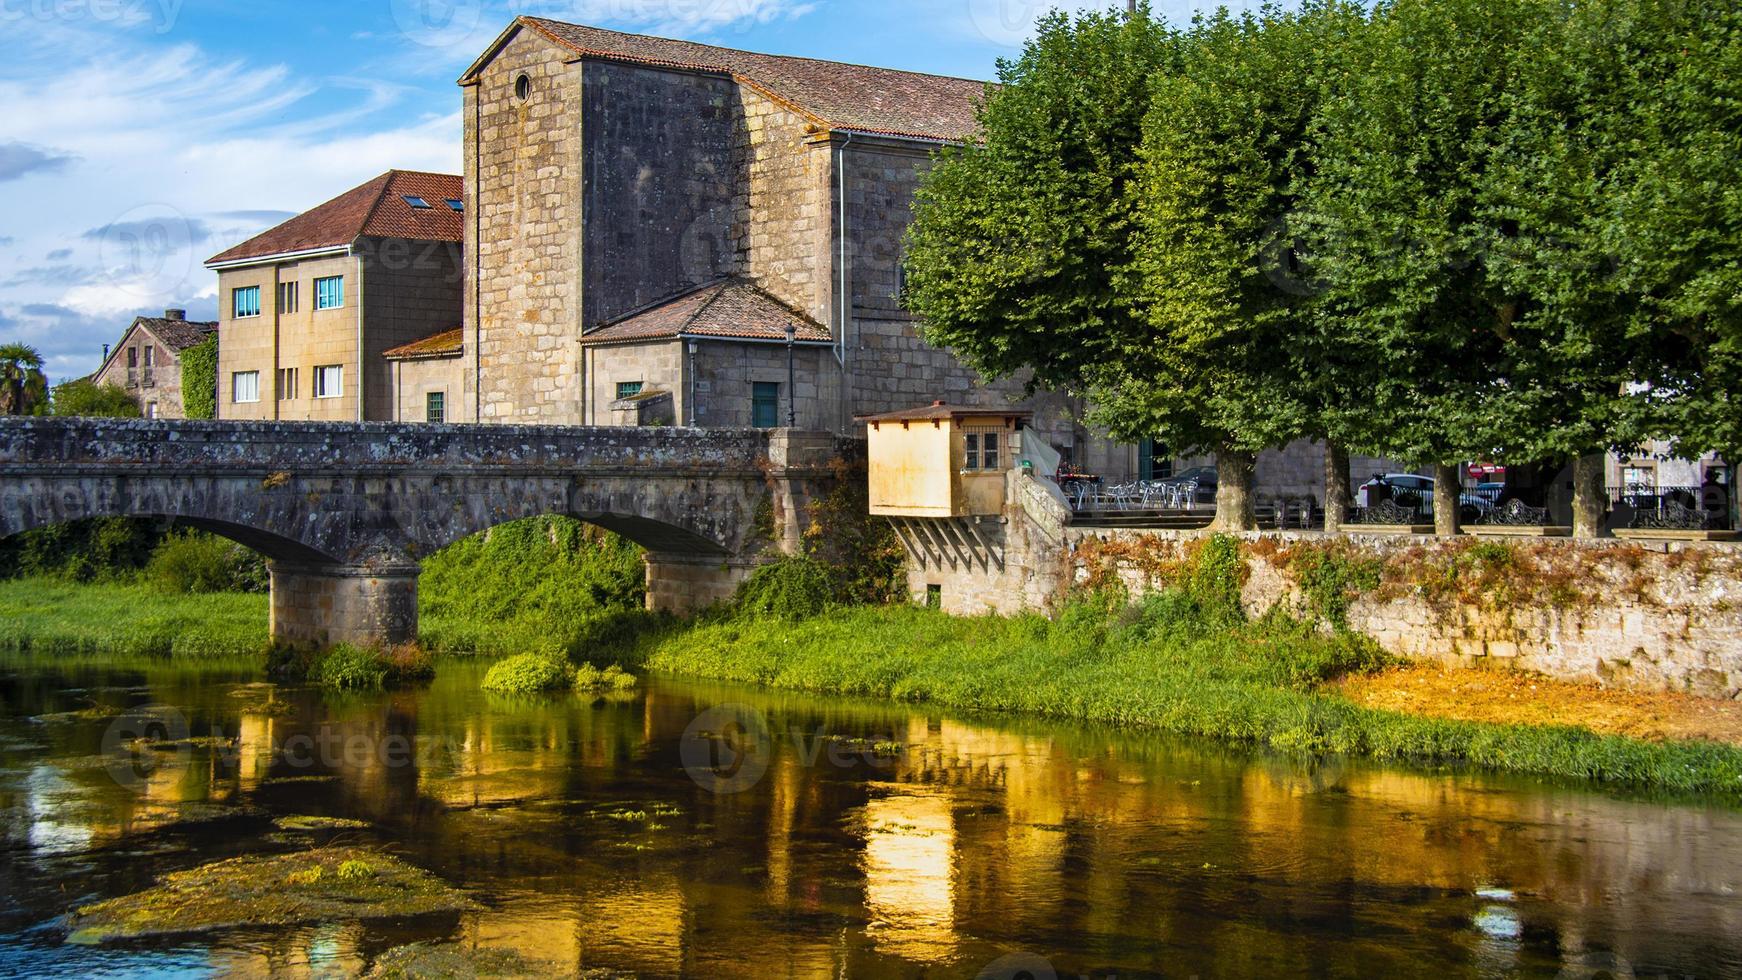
<point x="456" y="204"/>
<point x="151" y="410"/>
<point x="329" y="381"/>
<point x="435" y="409"/>
<point x="983" y="451"/>
<point x="287" y="297"/>
<point x="417" y="202"/>
<point x="330" y="293"/>
<point x="765" y="405"/>
<point x="245" y="302"/>
<point x="150" y="356"/>
<point x="287" y="384"/>
<point x="628" y="389"/>
<point x="934" y="597"/>
<point x="523" y="88"/>
<point x="132" y="357"/>
<point x="245" y="387"/>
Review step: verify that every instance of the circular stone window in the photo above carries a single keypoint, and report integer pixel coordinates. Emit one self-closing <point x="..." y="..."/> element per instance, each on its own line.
<point x="523" y="88"/>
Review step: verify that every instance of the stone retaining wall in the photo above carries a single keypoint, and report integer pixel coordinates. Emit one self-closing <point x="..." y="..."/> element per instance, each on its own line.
<point x="1660" y="617"/>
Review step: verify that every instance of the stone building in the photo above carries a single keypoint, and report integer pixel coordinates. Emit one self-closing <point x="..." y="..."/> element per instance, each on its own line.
<point x="429" y="379"/>
<point x="648" y="218"/>
<point x="147" y="362"/>
<point x="311" y="307"/>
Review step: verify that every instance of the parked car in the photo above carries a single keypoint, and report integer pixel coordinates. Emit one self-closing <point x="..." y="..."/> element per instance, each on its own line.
<point x="1490" y="492"/>
<point x="1473" y="505"/>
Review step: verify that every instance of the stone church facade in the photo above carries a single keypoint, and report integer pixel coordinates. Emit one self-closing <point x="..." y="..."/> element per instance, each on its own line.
<point x="646" y="218"/>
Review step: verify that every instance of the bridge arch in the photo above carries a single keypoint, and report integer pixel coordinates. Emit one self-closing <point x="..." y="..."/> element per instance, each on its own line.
<point x="345" y="512"/>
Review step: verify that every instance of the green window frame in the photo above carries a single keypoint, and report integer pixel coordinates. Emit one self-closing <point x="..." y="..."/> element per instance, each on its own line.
<point x="435" y="407"/>
<point x="765" y="405"/>
<point x="628" y="389"/>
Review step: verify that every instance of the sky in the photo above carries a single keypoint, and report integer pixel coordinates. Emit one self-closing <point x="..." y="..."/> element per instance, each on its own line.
<point x="140" y="137"/>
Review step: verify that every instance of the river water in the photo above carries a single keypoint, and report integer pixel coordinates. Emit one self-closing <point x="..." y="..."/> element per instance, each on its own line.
<point x="700" y="830"/>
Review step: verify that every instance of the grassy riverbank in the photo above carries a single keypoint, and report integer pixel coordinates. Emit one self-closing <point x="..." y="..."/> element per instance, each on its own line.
<point x="1176" y="663"/>
<point x="53" y="616"/>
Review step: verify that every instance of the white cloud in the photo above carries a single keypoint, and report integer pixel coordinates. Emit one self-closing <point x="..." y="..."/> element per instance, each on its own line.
<point x="174" y="154"/>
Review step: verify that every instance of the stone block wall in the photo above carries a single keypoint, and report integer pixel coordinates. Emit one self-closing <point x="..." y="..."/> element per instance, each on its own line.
<point x="523" y="234"/>
<point x="318" y="607"/>
<point x="657" y="211"/>
<point x="782" y="234"/>
<point x="1661" y="619"/>
<point x="411" y="290"/>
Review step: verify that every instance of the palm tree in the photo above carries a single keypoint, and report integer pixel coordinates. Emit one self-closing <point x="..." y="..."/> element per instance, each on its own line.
<point x="23" y="386"/>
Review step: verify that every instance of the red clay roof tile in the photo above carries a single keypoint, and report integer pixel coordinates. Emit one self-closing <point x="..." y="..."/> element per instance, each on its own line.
<point x="376" y="209"/>
<point x="840" y="96"/>
<point x="729" y="309"/>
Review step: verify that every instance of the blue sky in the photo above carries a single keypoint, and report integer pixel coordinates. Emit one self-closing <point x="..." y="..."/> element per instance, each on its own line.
<point x="140" y="137"/>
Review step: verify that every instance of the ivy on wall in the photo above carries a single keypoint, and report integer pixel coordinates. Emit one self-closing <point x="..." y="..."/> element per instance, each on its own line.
<point x="199" y="379"/>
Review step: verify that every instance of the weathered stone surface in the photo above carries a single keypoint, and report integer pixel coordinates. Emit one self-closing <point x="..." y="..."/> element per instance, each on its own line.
<point x="346" y="511"/>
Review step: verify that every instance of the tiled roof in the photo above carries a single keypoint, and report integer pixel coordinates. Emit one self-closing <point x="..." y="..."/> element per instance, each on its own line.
<point x="177" y="335"/>
<point x="943" y="411"/>
<point x="444" y="344"/>
<point x="840" y="96"/>
<point x="731" y="308"/>
<point x="377" y="209"/>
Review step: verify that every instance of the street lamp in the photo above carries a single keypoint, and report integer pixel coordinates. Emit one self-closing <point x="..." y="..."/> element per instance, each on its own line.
<point x="791" y="375"/>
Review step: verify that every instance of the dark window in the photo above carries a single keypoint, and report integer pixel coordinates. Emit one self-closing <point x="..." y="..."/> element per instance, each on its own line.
<point x="417" y="202"/>
<point x="287" y="297"/>
<point x="1151" y="467"/>
<point x="934" y="597"/>
<point x="523" y="88"/>
<point x="132" y="357"/>
<point x="435" y="409"/>
<point x="456" y="204"/>
<point x="286" y="384"/>
<point x="628" y="389"/>
<point x="983" y="451"/>
<point x="765" y="405"/>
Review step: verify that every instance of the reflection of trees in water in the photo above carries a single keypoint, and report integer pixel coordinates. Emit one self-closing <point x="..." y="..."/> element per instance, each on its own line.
<point x="1144" y="854"/>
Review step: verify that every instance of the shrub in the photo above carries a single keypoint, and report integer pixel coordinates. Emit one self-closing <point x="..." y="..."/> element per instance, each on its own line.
<point x="192" y="562"/>
<point x="91" y="400"/>
<point x="788" y="589"/>
<point x="529" y="673"/>
<point x="104" y="549"/>
<point x="591" y="678"/>
<point x="347" y="668"/>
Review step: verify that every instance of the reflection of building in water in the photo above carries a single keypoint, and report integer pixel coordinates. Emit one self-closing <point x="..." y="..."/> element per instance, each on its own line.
<point x="255" y="749"/>
<point x="909" y="866"/>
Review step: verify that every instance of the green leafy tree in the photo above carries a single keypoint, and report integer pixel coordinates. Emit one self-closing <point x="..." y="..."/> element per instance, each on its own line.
<point x="1581" y="349"/>
<point x="1017" y="237"/>
<point x="87" y="398"/>
<point x="1673" y="220"/>
<point x="1410" y="329"/>
<point x="1225" y="150"/>
<point x="23" y="387"/>
<point x="199" y="379"/>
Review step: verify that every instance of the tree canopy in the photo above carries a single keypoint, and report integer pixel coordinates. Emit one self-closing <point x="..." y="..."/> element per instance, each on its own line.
<point x="23" y="387"/>
<point x="86" y="398"/>
<point x="1434" y="230"/>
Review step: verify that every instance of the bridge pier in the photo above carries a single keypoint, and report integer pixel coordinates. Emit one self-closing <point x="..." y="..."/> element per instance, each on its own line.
<point x="684" y="584"/>
<point x="321" y="606"/>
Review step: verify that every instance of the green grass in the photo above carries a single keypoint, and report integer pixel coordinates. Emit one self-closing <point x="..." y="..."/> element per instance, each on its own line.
<point x="1165" y="666"/>
<point x="52" y="616"/>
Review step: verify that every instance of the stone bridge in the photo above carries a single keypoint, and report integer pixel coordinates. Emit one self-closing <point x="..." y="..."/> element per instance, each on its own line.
<point x="345" y="512"/>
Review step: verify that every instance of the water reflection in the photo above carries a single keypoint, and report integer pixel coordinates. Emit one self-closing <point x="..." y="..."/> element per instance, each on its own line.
<point x="881" y="841"/>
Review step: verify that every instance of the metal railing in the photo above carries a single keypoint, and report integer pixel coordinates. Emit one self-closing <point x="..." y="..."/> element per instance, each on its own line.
<point x="1672" y="508"/>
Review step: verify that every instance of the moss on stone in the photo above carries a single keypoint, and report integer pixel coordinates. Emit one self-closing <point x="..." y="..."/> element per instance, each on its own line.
<point x="290" y="889"/>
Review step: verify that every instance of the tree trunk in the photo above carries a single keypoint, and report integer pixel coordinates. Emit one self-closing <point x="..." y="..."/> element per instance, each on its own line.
<point x="1590" y="497"/>
<point x="1235" y="510"/>
<point x="1339" y="492"/>
<point x="1448" y="488"/>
